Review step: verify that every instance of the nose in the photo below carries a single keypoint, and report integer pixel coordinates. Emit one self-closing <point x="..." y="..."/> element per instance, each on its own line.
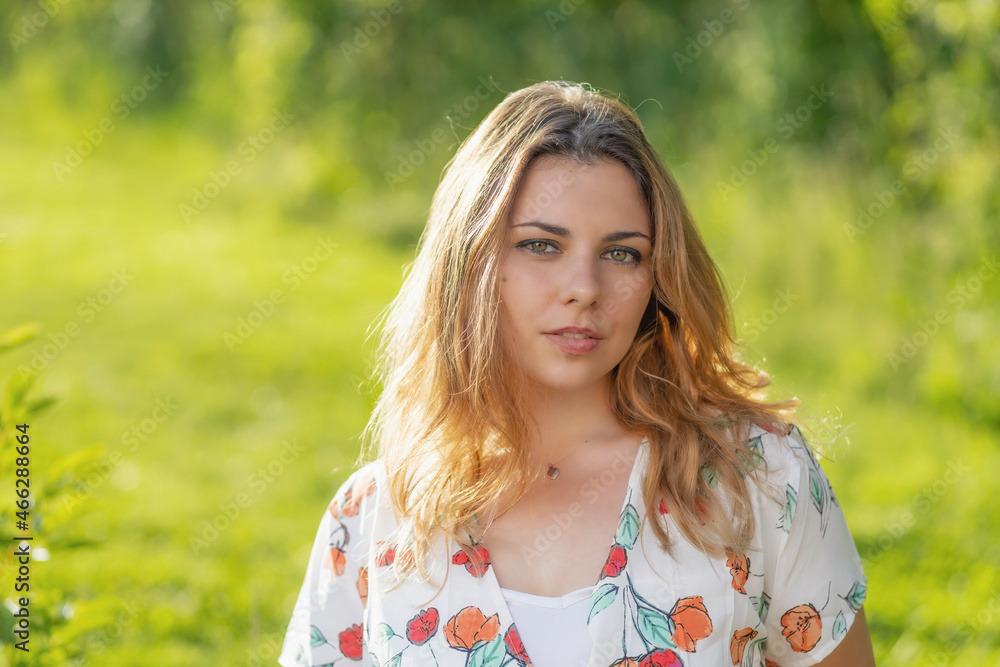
<point x="582" y="282"/>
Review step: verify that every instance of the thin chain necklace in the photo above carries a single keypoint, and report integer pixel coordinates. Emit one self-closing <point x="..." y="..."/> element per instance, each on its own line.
<point x="553" y="471"/>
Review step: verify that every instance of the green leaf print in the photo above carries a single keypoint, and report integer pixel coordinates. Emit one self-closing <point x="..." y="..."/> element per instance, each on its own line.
<point x="816" y="491"/>
<point x="761" y="604"/>
<point x="839" y="626"/>
<point x="602" y="597"/>
<point x="490" y="654"/>
<point x="382" y="634"/>
<point x="753" y="652"/>
<point x="856" y="596"/>
<point x="709" y="473"/>
<point x="396" y="660"/>
<point x="786" y="521"/>
<point x="654" y="625"/>
<point x="755" y="458"/>
<point x="628" y="527"/>
<point x="316" y="637"/>
<point x="819" y="492"/>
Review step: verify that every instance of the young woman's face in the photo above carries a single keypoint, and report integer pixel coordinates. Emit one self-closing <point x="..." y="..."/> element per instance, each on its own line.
<point x="577" y="255"/>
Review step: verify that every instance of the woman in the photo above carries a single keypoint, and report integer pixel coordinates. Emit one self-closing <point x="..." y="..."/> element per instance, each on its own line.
<point x="572" y="466"/>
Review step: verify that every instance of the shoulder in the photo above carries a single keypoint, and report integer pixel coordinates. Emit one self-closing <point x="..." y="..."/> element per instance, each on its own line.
<point x="359" y="493"/>
<point x="792" y="490"/>
<point x="780" y="447"/>
<point x="783" y="465"/>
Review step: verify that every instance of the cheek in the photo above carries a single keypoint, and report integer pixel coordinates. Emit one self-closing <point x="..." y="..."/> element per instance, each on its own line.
<point x="525" y="284"/>
<point x="628" y="297"/>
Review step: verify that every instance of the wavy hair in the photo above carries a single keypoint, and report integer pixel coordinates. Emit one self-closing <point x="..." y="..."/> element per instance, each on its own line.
<point x="448" y="426"/>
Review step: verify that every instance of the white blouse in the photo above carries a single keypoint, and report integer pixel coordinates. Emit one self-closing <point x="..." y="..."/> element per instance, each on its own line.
<point x="553" y="629"/>
<point x="789" y="599"/>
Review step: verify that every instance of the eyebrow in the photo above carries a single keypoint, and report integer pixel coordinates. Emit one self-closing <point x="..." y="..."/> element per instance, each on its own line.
<point x="557" y="230"/>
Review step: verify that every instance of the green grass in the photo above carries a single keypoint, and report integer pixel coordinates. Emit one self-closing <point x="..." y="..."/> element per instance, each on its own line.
<point x="301" y="376"/>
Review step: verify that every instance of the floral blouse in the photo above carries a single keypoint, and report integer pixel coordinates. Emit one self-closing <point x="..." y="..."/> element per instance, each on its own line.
<point x="786" y="601"/>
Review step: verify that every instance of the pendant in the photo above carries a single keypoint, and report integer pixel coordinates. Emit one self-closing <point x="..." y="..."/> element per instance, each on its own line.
<point x="552" y="472"/>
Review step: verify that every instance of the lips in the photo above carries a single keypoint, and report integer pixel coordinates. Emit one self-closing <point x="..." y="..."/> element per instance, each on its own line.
<point x="576" y="331"/>
<point x="575" y="340"/>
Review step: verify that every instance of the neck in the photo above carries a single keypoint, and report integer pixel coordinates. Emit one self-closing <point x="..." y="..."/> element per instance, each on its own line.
<point x="562" y="419"/>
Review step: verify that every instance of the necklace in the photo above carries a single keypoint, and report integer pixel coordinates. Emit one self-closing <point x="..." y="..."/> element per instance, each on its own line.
<point x="553" y="471"/>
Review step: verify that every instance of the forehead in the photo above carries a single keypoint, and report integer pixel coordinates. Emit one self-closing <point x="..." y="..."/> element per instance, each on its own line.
<point x="557" y="189"/>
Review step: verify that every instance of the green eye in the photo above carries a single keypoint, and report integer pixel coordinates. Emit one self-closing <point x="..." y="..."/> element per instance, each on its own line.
<point x="625" y="257"/>
<point x="527" y="245"/>
<point x="628" y="252"/>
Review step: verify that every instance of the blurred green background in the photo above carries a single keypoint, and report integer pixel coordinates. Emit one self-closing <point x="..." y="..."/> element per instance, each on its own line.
<point x="203" y="205"/>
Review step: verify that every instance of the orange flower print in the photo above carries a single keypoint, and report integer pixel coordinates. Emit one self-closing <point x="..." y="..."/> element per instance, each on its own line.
<point x="660" y="658"/>
<point x="626" y="662"/>
<point x="363" y="486"/>
<point x="802" y="627"/>
<point x="471" y="627"/>
<point x="739" y="566"/>
<point x="422" y="626"/>
<point x="771" y="663"/>
<point x="384" y="557"/>
<point x="515" y="647"/>
<point x="739" y="642"/>
<point x="478" y="565"/>
<point x="334" y="561"/>
<point x="663" y="507"/>
<point x="691" y="622"/>
<point x="617" y="558"/>
<point x="772" y="427"/>
<point x="363" y="584"/>
<point x="350" y="641"/>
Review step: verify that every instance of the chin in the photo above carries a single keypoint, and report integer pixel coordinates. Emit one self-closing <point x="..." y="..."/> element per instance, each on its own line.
<point x="557" y="381"/>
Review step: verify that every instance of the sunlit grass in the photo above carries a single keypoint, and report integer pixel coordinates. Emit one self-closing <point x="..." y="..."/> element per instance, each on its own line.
<point x="300" y="375"/>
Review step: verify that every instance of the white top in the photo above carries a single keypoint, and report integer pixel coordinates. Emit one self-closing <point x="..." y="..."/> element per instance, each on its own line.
<point x="553" y="629"/>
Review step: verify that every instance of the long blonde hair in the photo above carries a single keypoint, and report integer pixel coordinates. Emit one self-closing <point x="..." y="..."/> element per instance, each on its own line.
<point x="448" y="424"/>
